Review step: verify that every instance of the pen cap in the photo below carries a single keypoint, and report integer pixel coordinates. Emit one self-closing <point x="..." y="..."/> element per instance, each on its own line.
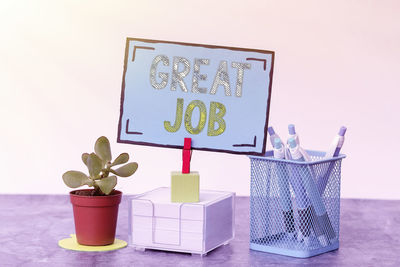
<point x="342" y="131"/>
<point x="292" y="130"/>
<point x="277" y="143"/>
<point x="271" y="131"/>
<point x="292" y="142"/>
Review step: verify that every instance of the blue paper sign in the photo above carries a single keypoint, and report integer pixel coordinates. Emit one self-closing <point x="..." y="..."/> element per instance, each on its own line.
<point x="218" y="96"/>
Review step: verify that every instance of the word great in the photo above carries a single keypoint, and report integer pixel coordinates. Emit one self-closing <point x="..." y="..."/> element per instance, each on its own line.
<point x="214" y="117"/>
<point x="221" y="76"/>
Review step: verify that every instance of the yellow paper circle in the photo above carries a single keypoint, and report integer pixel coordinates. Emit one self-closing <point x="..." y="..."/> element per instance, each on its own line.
<point x="72" y="244"/>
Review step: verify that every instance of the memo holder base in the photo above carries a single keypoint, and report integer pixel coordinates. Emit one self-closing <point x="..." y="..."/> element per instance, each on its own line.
<point x="72" y="244"/>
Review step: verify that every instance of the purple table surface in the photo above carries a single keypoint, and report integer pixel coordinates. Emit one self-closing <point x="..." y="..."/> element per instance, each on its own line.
<point x="31" y="226"/>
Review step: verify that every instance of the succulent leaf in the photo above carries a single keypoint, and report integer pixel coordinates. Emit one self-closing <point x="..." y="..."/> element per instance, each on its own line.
<point x="103" y="149"/>
<point x="84" y="158"/>
<point x="94" y="165"/>
<point x="121" y="159"/>
<point x="107" y="184"/>
<point x="74" y="179"/>
<point x="88" y="182"/>
<point x="126" y="170"/>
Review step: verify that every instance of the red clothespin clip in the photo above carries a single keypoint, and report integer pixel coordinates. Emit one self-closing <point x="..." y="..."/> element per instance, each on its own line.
<point x="186" y="155"/>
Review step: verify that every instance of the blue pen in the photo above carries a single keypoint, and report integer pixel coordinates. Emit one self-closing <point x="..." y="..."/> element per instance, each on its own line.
<point x="302" y="203"/>
<point x="320" y="221"/>
<point x="304" y="214"/>
<point x="272" y="135"/>
<point x="333" y="151"/>
<point x="283" y="182"/>
<point x="293" y="134"/>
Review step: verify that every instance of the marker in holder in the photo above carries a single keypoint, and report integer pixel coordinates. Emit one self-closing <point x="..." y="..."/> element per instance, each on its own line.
<point x="284" y="189"/>
<point x="333" y="151"/>
<point x="274" y="239"/>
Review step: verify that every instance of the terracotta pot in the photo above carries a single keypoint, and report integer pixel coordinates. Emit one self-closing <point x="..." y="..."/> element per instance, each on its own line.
<point x="95" y="218"/>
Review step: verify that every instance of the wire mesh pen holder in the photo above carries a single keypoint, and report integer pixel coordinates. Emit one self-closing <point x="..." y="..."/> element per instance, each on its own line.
<point x="295" y="206"/>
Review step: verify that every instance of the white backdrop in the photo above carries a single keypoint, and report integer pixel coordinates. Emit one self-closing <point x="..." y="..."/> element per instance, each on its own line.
<point x="61" y="62"/>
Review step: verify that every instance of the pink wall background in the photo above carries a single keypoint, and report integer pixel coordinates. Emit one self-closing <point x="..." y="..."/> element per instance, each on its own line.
<point x="337" y="63"/>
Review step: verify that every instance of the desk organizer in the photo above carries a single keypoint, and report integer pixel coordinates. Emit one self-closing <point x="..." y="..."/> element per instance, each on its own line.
<point x="295" y="206"/>
<point x="157" y="223"/>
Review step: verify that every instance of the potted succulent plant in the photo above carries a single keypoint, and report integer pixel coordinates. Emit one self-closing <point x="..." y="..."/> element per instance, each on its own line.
<point x="96" y="210"/>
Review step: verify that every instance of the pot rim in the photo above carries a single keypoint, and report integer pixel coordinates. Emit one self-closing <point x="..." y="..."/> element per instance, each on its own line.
<point x="117" y="194"/>
<point x="95" y="201"/>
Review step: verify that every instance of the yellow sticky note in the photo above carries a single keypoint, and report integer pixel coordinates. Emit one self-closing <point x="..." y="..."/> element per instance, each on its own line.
<point x="185" y="187"/>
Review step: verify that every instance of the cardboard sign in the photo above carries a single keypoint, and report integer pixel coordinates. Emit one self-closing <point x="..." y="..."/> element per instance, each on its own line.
<point x="218" y="96"/>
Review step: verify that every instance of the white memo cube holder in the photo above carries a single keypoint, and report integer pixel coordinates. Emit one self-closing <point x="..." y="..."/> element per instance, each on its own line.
<point x="157" y="223"/>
